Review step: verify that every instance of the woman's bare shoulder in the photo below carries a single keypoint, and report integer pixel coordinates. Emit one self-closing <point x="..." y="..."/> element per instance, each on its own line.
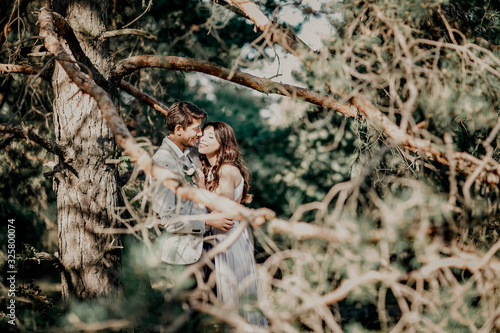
<point x="230" y="171"/>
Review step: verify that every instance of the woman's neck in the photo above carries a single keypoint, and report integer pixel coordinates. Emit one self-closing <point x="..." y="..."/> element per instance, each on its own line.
<point x="212" y="159"/>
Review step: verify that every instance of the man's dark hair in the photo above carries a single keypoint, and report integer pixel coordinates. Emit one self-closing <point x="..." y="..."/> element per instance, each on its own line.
<point x="183" y="113"/>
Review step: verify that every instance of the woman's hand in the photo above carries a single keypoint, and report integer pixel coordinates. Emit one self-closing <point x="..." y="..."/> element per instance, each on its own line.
<point x="222" y="224"/>
<point x="199" y="178"/>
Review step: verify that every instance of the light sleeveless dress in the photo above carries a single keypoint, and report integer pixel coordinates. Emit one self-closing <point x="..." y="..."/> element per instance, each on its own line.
<point x="236" y="275"/>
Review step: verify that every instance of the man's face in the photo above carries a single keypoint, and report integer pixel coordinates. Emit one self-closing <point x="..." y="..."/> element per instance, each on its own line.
<point x="189" y="135"/>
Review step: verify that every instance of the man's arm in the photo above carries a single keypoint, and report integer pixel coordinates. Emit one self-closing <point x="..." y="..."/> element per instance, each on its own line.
<point x="164" y="201"/>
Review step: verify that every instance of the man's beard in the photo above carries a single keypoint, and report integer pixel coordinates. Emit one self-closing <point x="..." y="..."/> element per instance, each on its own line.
<point x="189" y="143"/>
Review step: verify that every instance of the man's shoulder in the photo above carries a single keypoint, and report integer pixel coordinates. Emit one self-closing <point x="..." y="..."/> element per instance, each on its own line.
<point x="161" y="153"/>
<point x="164" y="155"/>
<point x="164" y="149"/>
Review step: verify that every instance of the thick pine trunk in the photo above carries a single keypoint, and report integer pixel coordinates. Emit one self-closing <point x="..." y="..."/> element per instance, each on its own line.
<point x="86" y="201"/>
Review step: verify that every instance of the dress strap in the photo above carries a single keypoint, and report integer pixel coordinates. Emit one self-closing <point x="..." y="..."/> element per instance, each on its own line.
<point x="238" y="191"/>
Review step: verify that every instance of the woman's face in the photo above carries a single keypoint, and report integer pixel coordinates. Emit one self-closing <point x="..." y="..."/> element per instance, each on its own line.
<point x="208" y="142"/>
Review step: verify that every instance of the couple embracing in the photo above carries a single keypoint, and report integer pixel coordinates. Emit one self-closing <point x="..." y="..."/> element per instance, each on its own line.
<point x="217" y="166"/>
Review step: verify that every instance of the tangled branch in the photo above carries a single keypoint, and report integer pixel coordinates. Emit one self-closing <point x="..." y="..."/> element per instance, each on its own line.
<point x="487" y="171"/>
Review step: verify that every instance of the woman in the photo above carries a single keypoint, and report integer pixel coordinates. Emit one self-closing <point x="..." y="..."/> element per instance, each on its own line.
<point x="226" y="175"/>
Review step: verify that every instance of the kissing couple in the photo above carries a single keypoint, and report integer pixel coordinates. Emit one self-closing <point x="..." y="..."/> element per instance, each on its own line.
<point x="216" y="165"/>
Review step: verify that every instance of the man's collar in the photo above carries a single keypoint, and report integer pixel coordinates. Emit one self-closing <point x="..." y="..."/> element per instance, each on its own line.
<point x="177" y="150"/>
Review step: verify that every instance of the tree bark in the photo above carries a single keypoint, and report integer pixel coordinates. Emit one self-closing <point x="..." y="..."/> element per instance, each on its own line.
<point x="87" y="201"/>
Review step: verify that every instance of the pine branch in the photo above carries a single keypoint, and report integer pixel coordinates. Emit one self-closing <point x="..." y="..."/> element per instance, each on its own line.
<point x="23" y="132"/>
<point x="20" y="69"/>
<point x="143" y="97"/>
<point x="266" y="86"/>
<point x="377" y="118"/>
<point x="291" y="43"/>
<point x="293" y="40"/>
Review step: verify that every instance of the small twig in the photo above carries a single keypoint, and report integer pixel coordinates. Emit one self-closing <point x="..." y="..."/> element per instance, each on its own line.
<point x="488" y="325"/>
<point x="447" y="25"/>
<point x="47" y="257"/>
<point x="240" y="324"/>
<point x="126" y="32"/>
<point x="453" y="166"/>
<point x="474" y="175"/>
<point x="346" y="287"/>
<point x="107" y="325"/>
<point x="25" y="40"/>
<point x="138" y="17"/>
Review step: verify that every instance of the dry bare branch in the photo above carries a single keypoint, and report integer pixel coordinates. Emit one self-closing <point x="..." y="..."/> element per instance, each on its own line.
<point x="143" y="97"/>
<point x="241" y="8"/>
<point x="127" y="66"/>
<point x="7" y="28"/>
<point x="347" y="286"/>
<point x="150" y="3"/>
<point x="276" y="35"/>
<point x="240" y="324"/>
<point x="64" y="153"/>
<point x="231" y="7"/>
<point x="127" y="32"/>
<point x="20" y="69"/>
<point x="303" y="230"/>
<point x="113" y="324"/>
<point x="426" y="147"/>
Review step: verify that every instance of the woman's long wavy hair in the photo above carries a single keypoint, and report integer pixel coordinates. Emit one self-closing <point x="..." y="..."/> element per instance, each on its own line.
<point x="229" y="153"/>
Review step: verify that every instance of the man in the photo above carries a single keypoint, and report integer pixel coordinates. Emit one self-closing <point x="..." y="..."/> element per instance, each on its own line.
<point x="183" y="244"/>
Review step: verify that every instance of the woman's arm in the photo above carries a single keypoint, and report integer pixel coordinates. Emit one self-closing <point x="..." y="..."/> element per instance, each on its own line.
<point x="229" y="178"/>
<point x="221" y="224"/>
<point x="228" y="175"/>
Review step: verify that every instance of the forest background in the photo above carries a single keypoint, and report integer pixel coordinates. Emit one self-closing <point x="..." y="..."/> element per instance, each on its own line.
<point x="380" y="165"/>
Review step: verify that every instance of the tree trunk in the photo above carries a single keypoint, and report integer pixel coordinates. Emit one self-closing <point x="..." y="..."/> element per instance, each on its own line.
<point x="86" y="202"/>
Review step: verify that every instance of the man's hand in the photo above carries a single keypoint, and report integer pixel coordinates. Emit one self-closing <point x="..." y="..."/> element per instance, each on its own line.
<point x="221" y="224"/>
